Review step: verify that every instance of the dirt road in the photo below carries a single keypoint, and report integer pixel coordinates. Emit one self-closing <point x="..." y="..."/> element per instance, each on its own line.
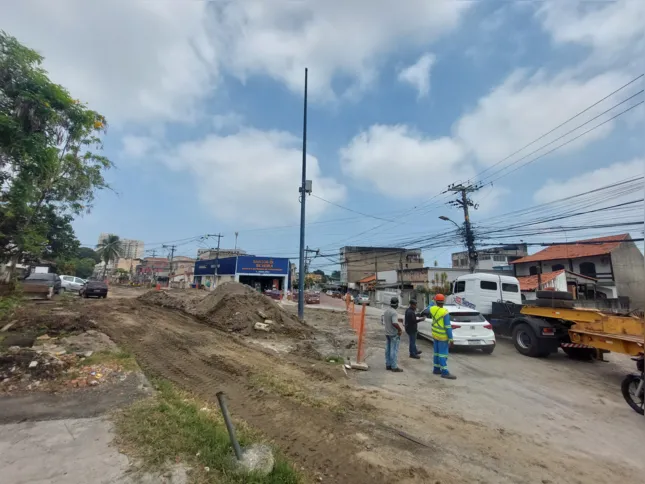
<point x="507" y="419"/>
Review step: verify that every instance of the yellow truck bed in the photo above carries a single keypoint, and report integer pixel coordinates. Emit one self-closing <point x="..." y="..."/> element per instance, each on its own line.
<point x="622" y="334"/>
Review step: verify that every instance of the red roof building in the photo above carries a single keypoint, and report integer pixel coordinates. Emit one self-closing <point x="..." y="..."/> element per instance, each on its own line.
<point x="615" y="262"/>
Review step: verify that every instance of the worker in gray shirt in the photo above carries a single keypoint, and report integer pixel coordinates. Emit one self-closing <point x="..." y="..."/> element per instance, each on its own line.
<point x="393" y="332"/>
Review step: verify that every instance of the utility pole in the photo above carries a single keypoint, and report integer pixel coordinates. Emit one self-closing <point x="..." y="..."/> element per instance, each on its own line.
<point x="172" y="256"/>
<point x="401" y="269"/>
<point x="236" y="234"/>
<point x="305" y="188"/>
<point x="464" y="202"/>
<point x="219" y="236"/>
<point x="309" y="259"/>
<point x="152" y="276"/>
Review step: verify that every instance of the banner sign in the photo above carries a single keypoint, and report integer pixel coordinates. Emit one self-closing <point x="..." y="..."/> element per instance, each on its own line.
<point x="262" y="265"/>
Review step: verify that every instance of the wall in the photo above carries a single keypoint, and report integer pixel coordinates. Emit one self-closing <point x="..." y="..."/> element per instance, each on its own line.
<point x="603" y="267"/>
<point x="629" y="273"/>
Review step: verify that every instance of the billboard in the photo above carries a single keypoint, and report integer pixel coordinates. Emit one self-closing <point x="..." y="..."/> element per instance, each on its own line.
<point x="262" y="265"/>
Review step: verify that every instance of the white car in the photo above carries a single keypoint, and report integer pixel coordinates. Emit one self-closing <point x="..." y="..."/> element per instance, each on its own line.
<point x="71" y="283"/>
<point x="362" y="299"/>
<point x="469" y="328"/>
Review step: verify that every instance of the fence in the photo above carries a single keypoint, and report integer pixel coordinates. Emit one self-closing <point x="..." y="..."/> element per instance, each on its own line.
<point x="357" y="322"/>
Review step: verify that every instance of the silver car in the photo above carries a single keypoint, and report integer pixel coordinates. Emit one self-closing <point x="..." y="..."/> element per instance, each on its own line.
<point x="71" y="283"/>
<point x="362" y="299"/>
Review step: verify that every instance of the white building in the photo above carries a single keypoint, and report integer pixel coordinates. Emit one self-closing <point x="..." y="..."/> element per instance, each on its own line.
<point x="491" y="258"/>
<point x="130" y="248"/>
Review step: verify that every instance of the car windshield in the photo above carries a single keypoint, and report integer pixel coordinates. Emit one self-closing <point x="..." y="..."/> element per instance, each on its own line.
<point x="466" y="318"/>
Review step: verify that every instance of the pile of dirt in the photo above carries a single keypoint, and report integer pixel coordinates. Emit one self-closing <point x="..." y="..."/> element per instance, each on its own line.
<point x="307" y="349"/>
<point x="53" y="323"/>
<point x="233" y="307"/>
<point x="26" y="364"/>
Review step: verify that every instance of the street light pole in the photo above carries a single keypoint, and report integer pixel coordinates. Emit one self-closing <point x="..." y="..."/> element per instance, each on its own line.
<point x="303" y="198"/>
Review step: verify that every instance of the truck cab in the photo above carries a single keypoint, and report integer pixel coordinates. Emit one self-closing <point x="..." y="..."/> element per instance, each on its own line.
<point x="480" y="290"/>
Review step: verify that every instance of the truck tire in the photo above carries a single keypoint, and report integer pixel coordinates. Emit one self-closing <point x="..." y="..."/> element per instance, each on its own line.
<point x="526" y="341"/>
<point x="553" y="303"/>
<point x="563" y="295"/>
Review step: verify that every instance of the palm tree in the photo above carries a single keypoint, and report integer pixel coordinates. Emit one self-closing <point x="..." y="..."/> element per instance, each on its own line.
<point x="109" y="249"/>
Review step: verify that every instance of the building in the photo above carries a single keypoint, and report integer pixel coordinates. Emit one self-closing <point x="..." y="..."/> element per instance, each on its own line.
<point x="130" y="248"/>
<point x="259" y="272"/>
<point x="182" y="268"/>
<point x="561" y="280"/>
<point x="204" y="254"/>
<point x="492" y="258"/>
<point x="614" y="262"/>
<point x="153" y="269"/>
<point x="358" y="262"/>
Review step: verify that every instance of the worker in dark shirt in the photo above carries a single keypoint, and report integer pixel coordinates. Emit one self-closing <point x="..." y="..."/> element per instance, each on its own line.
<point x="410" y="322"/>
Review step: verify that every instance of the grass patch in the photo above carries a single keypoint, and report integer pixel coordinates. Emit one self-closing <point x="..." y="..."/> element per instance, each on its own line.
<point x="172" y="427"/>
<point x="124" y="359"/>
<point x="8" y="305"/>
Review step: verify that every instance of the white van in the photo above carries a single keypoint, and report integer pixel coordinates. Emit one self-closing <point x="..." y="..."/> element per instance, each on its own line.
<point x="479" y="291"/>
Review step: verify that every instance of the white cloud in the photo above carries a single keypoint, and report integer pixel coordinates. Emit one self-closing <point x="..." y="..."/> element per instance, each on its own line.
<point x="401" y="163"/>
<point x="253" y="176"/>
<point x="607" y="27"/>
<point x="136" y="147"/>
<point x="227" y="120"/>
<point x="418" y="74"/>
<point x="153" y="62"/>
<point x="523" y="108"/>
<point x="132" y="60"/>
<point x="556" y="189"/>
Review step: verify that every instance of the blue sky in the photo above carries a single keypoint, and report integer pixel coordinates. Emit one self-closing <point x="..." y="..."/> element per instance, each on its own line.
<point x="204" y="101"/>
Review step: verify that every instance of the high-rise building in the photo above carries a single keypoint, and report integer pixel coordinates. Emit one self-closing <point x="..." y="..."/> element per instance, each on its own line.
<point x="130" y="248"/>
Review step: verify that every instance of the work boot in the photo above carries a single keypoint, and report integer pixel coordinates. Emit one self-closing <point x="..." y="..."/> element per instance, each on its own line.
<point x="448" y="376"/>
<point x="416" y="357"/>
<point x="419" y="352"/>
<point x="388" y="368"/>
<point x="397" y="370"/>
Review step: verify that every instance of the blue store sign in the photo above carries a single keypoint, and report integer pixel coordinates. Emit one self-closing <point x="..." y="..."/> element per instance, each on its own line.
<point x="262" y="265"/>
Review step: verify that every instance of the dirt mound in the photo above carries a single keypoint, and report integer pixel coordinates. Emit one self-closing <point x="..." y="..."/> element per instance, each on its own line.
<point x="233" y="307"/>
<point x="52" y="323"/>
<point x="22" y="363"/>
<point x="163" y="299"/>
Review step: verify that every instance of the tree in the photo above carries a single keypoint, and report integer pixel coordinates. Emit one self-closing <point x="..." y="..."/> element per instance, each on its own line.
<point x="321" y="273"/>
<point x="109" y="250"/>
<point x="49" y="161"/>
<point x="87" y="253"/>
<point x="85" y="268"/>
<point x="335" y="275"/>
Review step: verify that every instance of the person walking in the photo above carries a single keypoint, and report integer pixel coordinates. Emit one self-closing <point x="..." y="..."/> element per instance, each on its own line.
<point x="442" y="336"/>
<point x="411" y="321"/>
<point x="392" y="336"/>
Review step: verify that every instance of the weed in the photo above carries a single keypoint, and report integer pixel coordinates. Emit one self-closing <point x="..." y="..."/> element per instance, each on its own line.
<point x="174" y="427"/>
<point x="9" y="304"/>
<point x="124" y="359"/>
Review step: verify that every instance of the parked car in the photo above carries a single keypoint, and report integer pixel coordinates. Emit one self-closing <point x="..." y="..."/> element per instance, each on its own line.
<point x="273" y="294"/>
<point x="71" y="283"/>
<point x="469" y="328"/>
<point x="94" y="289"/>
<point x="336" y="294"/>
<point x="362" y="299"/>
<point x="312" y="298"/>
<point x="44" y="279"/>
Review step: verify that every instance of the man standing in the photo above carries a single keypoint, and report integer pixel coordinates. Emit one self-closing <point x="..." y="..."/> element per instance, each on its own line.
<point x="393" y="336"/>
<point x="411" y="321"/>
<point x="442" y="336"/>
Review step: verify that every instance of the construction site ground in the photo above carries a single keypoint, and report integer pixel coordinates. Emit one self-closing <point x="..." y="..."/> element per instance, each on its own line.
<point x="507" y="419"/>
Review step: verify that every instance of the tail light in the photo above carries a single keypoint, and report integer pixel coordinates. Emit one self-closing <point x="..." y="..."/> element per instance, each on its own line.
<point x="455" y="326"/>
<point x="488" y="326"/>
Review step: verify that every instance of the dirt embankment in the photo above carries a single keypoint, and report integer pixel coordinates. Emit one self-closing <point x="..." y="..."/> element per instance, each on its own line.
<point x="232" y="307"/>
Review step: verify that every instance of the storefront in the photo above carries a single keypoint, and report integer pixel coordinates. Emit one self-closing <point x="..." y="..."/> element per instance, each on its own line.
<point x="261" y="273"/>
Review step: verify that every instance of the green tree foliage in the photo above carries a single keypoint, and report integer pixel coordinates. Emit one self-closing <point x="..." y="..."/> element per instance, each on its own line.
<point x="84" y="267"/>
<point x="335" y="275"/>
<point x="87" y="253"/>
<point x="109" y="250"/>
<point x="49" y="161"/>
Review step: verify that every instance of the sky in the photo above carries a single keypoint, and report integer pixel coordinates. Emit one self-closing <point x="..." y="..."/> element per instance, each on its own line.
<point x="204" y="102"/>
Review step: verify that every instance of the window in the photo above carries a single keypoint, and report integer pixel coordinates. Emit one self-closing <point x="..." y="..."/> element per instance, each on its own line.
<point x="460" y="286"/>
<point x="588" y="269"/>
<point x="68" y="278"/>
<point x="510" y="288"/>
<point x="557" y="267"/>
<point x="488" y="285"/>
<point x="533" y="270"/>
<point x="78" y="280"/>
<point x="466" y="318"/>
<point x="499" y="258"/>
<point x="484" y="257"/>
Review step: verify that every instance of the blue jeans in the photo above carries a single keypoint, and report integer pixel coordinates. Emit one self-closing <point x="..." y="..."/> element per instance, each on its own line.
<point x="392" y="351"/>
<point x="412" y="337"/>
<point x="441" y="349"/>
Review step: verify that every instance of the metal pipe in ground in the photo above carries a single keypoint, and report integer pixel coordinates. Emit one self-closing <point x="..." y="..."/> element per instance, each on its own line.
<point x="229" y="425"/>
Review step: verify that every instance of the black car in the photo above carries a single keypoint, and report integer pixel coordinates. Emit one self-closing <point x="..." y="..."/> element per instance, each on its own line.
<point x="94" y="288"/>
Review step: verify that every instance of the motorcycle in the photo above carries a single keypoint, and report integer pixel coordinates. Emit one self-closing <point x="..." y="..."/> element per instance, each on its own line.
<point x="633" y="386"/>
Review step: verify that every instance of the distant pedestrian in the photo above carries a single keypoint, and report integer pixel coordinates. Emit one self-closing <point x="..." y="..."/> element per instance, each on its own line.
<point x="393" y="332"/>
<point x="411" y="321"/>
<point x="442" y="336"/>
